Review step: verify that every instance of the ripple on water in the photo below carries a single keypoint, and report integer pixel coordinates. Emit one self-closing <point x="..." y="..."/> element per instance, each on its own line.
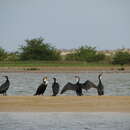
<point x="116" y="84"/>
<point x="64" y="121"/>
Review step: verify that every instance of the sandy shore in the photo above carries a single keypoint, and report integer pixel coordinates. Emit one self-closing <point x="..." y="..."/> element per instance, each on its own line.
<point x="63" y="69"/>
<point x="65" y="104"/>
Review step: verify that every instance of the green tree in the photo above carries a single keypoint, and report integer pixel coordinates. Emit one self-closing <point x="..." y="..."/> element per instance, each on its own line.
<point x="86" y="53"/>
<point x="37" y="49"/>
<point x="3" y="54"/>
<point x="121" y="58"/>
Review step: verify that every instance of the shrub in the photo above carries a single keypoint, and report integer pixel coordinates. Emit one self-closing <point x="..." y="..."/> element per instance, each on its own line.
<point x="121" y="58"/>
<point x="86" y="53"/>
<point x="3" y="54"/>
<point x="37" y="49"/>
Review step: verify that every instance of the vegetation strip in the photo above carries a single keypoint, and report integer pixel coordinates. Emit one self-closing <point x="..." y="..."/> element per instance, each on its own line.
<point x="37" y="50"/>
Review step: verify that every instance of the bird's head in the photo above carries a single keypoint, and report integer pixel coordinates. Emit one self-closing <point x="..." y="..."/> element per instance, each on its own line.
<point x="77" y="78"/>
<point x="45" y="80"/>
<point x="6" y="76"/>
<point x="54" y="79"/>
<point x="100" y="76"/>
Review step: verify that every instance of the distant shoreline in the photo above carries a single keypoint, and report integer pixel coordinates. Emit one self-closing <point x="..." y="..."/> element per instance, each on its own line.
<point x="111" y="69"/>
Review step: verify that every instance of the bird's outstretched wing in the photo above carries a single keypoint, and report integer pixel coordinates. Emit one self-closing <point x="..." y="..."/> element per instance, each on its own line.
<point x="88" y="84"/>
<point x="68" y="86"/>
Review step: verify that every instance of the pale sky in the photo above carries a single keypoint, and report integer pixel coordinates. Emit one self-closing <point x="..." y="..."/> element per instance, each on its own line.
<point x="66" y="24"/>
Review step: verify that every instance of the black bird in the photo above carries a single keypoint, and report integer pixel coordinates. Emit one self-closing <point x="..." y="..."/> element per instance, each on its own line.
<point x="68" y="86"/>
<point x="100" y="87"/>
<point x="74" y="87"/>
<point x="41" y="89"/>
<point x="88" y="85"/>
<point x="78" y="87"/>
<point x="55" y="87"/>
<point x="5" y="86"/>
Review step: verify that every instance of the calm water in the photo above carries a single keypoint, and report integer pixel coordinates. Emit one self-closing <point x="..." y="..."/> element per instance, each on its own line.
<point x="116" y="84"/>
<point x="65" y="121"/>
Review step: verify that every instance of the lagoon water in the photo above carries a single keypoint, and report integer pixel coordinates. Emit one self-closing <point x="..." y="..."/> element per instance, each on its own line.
<point x="115" y="84"/>
<point x="65" y="121"/>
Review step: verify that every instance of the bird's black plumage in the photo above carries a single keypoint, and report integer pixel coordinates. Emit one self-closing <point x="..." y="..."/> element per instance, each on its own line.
<point x="74" y="87"/>
<point x="100" y="87"/>
<point x="68" y="86"/>
<point x="78" y="87"/>
<point x="55" y="87"/>
<point x="41" y="89"/>
<point x="88" y="85"/>
<point x="5" y="86"/>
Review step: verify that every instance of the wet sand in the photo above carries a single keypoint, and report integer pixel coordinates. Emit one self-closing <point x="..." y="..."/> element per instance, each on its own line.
<point x="65" y="104"/>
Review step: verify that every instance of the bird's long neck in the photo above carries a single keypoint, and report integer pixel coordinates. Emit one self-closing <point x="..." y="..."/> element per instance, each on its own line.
<point x="7" y="79"/>
<point x="54" y="80"/>
<point x="78" y="80"/>
<point x="99" y="78"/>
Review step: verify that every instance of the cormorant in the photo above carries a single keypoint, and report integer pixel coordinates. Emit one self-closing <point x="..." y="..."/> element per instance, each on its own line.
<point x="68" y="86"/>
<point x="41" y="89"/>
<point x="5" y="86"/>
<point x="55" y="87"/>
<point x="78" y="87"/>
<point x="74" y="87"/>
<point x="100" y="87"/>
<point x="88" y="84"/>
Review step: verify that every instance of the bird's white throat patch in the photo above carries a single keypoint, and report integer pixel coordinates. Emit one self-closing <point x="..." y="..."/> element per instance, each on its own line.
<point x="46" y="81"/>
<point x="76" y="79"/>
<point x="100" y="77"/>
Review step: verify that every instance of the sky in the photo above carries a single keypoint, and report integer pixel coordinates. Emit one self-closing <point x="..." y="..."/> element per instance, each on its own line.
<point x="66" y="24"/>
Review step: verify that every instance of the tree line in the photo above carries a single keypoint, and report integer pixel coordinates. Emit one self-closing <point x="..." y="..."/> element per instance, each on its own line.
<point x="38" y="50"/>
